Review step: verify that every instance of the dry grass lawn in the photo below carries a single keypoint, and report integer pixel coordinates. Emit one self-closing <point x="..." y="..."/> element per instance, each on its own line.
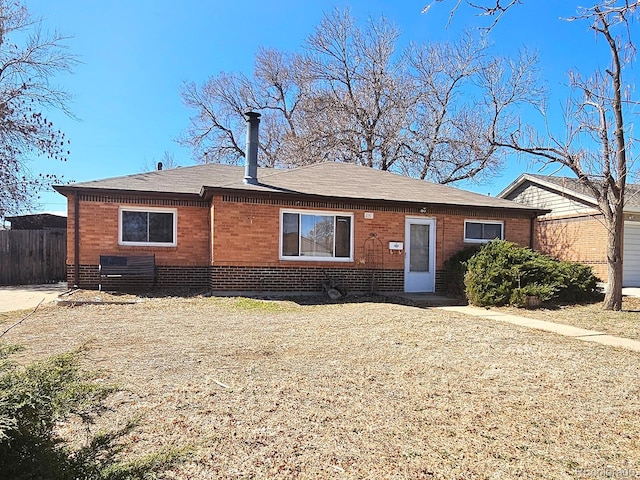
<point x="356" y="390"/>
<point x="625" y="323"/>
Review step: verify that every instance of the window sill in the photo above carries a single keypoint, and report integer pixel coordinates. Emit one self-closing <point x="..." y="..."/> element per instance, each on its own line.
<point x="147" y="245"/>
<point x="318" y="259"/>
<point x="470" y="240"/>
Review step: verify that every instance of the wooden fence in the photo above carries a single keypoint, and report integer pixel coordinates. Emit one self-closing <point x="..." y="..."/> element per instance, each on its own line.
<point x="32" y="256"/>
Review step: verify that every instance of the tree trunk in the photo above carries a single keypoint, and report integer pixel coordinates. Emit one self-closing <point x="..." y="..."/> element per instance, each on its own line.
<point x="613" y="296"/>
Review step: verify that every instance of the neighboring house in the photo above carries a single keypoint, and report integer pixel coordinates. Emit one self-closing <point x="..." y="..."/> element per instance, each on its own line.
<point x="574" y="229"/>
<point x="234" y="229"/>
<point x="38" y="221"/>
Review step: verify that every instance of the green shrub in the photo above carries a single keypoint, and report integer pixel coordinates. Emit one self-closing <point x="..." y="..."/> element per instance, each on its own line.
<point x="35" y="398"/>
<point x="579" y="281"/>
<point x="519" y="295"/>
<point x="456" y="268"/>
<point x="503" y="273"/>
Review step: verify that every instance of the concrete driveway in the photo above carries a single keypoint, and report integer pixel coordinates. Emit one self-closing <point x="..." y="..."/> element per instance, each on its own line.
<point x="23" y="297"/>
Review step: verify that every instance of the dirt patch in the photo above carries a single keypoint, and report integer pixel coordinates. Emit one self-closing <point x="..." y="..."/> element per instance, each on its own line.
<point x="275" y="389"/>
<point x="78" y="296"/>
<point x="625" y="323"/>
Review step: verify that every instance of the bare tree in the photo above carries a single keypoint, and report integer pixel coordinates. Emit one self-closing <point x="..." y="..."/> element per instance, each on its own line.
<point x="494" y="9"/>
<point x="350" y="96"/>
<point x="597" y="141"/>
<point x="449" y="133"/>
<point x="216" y="133"/>
<point x="168" y="161"/>
<point x="362" y="93"/>
<point x="28" y="60"/>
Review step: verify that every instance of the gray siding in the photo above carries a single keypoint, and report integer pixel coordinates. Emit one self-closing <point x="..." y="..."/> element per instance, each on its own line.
<point x="539" y="197"/>
<point x="631" y="255"/>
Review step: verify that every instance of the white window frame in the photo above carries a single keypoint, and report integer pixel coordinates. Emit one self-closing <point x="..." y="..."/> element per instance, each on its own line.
<point x="174" y="211"/>
<point x="305" y="258"/>
<point x="480" y="240"/>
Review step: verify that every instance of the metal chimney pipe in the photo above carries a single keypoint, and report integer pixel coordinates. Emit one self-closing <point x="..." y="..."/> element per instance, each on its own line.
<point x="251" y="152"/>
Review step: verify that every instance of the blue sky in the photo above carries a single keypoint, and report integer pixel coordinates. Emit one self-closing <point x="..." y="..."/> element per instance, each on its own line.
<point x="135" y="55"/>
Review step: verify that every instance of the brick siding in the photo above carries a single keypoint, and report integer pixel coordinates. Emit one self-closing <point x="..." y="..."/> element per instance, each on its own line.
<point x="243" y="236"/>
<point x="580" y="239"/>
<point x="303" y="279"/>
<point x="190" y="279"/>
<point x="99" y="232"/>
<point x="247" y="234"/>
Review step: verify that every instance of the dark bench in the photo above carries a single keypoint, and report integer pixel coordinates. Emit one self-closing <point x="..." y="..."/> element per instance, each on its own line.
<point x="131" y="266"/>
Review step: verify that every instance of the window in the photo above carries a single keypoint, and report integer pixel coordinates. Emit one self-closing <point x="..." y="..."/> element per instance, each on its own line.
<point x="316" y="236"/>
<point x="482" y="231"/>
<point x="149" y="227"/>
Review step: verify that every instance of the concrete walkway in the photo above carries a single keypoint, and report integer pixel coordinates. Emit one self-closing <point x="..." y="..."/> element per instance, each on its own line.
<point x="561" y="329"/>
<point x="24" y="297"/>
<point x="631" y="292"/>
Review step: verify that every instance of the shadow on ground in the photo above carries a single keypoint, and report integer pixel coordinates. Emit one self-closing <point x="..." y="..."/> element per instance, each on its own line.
<point x="421" y="300"/>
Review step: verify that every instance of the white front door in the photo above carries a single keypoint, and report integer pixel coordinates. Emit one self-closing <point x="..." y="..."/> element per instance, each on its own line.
<point x="420" y="258"/>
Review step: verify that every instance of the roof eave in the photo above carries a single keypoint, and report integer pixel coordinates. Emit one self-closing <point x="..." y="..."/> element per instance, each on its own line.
<point x="512" y="186"/>
<point x="66" y="189"/>
<point x="208" y="192"/>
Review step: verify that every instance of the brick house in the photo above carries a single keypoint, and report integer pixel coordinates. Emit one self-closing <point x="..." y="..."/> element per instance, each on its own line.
<point x="246" y="229"/>
<point x="573" y="229"/>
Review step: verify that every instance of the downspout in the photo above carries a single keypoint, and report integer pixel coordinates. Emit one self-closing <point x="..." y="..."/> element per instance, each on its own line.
<point x="76" y="240"/>
<point x="532" y="229"/>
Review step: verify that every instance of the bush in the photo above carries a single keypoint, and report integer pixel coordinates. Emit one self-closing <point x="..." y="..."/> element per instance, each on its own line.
<point x="456" y="269"/>
<point x="34" y="399"/>
<point x="503" y="273"/>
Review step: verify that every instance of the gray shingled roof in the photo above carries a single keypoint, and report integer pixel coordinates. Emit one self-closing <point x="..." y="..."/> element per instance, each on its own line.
<point x="337" y="180"/>
<point x="632" y="191"/>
